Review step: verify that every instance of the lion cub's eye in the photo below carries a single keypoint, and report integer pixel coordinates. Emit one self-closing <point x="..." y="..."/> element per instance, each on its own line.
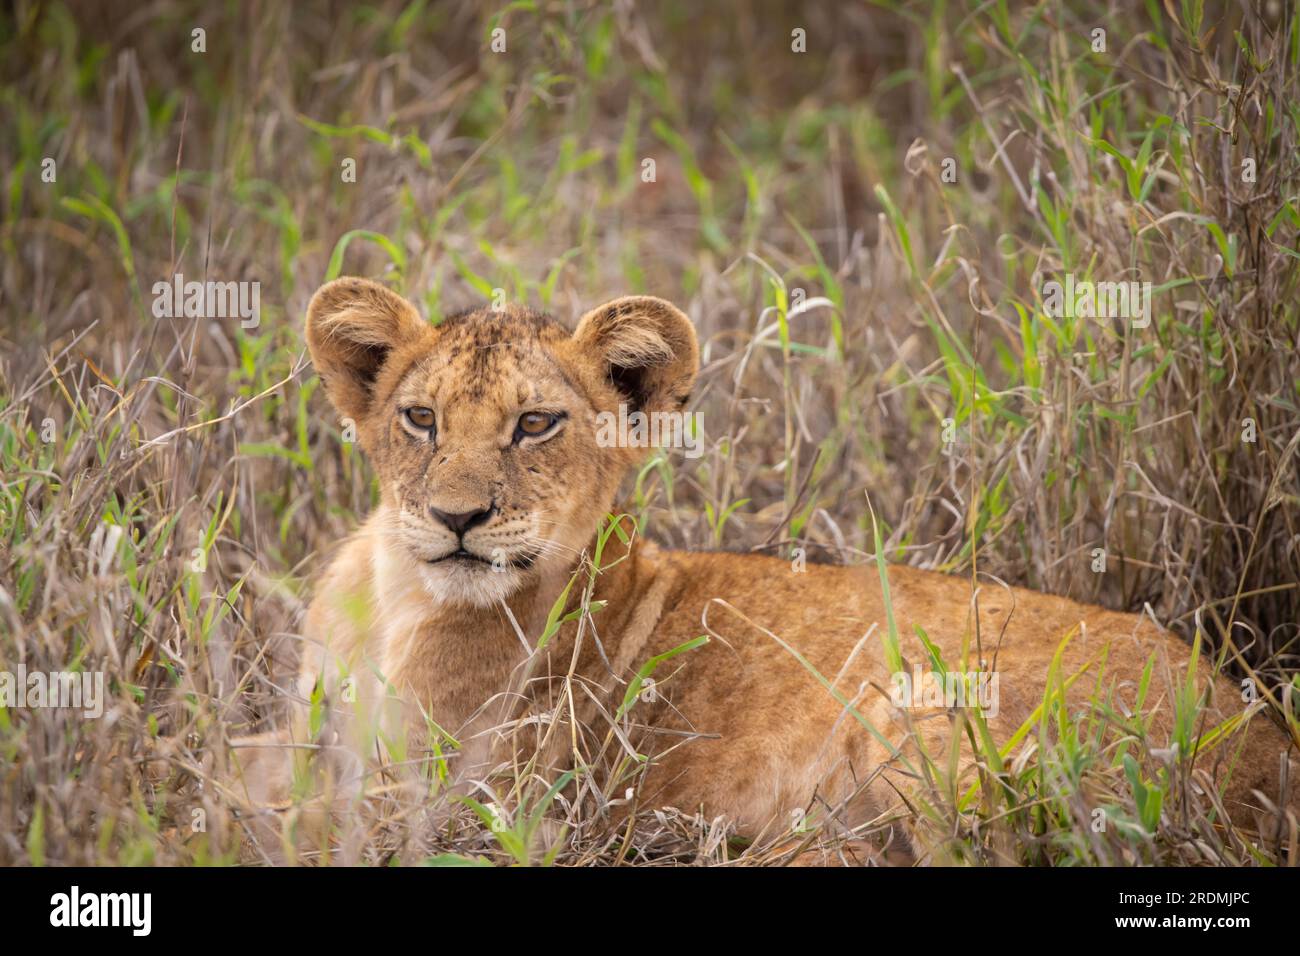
<point x="535" y="423"/>
<point x="420" y="417"/>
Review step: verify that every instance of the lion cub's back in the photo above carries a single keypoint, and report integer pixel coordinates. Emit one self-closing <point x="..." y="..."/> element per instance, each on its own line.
<point x="780" y="632"/>
<point x="790" y="648"/>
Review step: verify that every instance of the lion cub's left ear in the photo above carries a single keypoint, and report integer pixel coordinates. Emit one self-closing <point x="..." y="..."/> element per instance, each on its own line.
<point x="647" y="347"/>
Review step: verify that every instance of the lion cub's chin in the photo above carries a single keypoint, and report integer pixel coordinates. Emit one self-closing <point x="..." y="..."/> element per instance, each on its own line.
<point x="470" y="583"/>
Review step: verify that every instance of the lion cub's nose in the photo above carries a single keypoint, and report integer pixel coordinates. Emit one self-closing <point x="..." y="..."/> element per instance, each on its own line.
<point x="461" y="522"/>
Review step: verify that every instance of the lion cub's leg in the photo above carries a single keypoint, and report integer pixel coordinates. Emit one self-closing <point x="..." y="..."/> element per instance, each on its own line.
<point x="291" y="785"/>
<point x="915" y="779"/>
<point x="276" y="784"/>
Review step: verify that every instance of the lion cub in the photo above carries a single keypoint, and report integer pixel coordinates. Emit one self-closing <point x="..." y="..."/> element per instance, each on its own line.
<point x="437" y="616"/>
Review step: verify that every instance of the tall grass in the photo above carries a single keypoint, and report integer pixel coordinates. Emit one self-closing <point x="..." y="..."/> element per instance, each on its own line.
<point x="169" y="486"/>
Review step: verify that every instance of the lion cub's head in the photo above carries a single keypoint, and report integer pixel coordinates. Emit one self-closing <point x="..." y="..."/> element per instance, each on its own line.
<point x="483" y="430"/>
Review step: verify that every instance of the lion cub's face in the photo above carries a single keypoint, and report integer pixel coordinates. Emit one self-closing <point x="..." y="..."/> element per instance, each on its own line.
<point x="482" y="430"/>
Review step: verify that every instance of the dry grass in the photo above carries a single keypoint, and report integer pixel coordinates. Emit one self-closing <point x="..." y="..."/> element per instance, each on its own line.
<point x="780" y="178"/>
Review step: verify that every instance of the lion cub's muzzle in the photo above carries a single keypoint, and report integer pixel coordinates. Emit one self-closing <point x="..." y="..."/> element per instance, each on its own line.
<point x="467" y="538"/>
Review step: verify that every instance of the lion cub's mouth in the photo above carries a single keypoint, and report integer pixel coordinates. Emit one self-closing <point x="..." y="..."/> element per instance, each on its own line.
<point x="460" y="556"/>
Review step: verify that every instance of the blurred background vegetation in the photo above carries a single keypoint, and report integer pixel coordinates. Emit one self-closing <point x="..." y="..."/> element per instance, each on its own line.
<point x="869" y="327"/>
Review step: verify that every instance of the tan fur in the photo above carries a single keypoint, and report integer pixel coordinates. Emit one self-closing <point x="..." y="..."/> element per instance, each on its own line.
<point x="771" y="735"/>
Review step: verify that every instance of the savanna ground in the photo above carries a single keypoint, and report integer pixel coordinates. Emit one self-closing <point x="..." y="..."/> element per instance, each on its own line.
<point x="871" y="330"/>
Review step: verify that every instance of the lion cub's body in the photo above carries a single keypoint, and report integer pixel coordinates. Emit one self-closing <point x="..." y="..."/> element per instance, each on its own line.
<point x="771" y="735"/>
<point x="482" y="433"/>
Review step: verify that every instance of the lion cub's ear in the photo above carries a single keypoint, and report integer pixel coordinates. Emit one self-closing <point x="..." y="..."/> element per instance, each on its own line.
<point x="352" y="326"/>
<point x="647" y="347"/>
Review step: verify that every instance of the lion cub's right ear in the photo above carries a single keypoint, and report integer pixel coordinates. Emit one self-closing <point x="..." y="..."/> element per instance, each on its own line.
<point x="353" y="325"/>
